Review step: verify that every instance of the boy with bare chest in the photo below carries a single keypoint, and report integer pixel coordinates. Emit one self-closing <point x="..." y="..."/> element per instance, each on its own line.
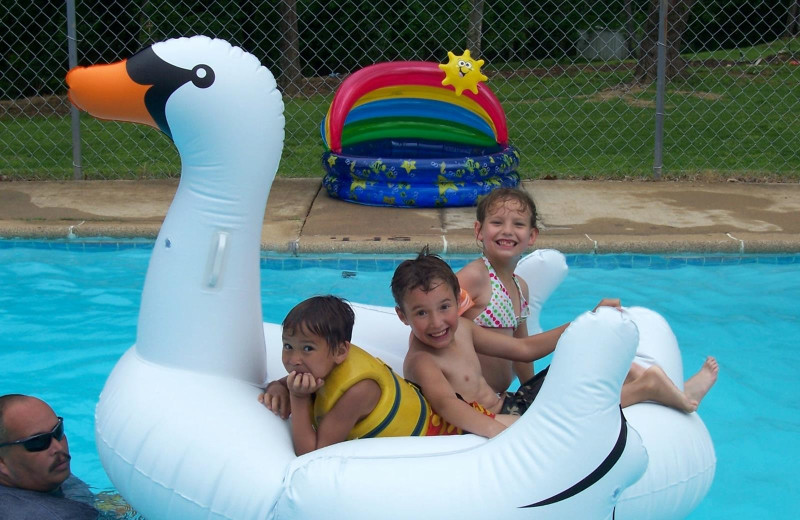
<point x="442" y="356"/>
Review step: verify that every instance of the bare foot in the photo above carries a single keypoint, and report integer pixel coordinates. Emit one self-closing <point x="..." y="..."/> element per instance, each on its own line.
<point x="697" y="386"/>
<point x="655" y="385"/>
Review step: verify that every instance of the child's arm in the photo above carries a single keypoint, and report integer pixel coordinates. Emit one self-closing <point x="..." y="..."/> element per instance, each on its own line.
<point x="472" y="281"/>
<point x="526" y="349"/>
<point x="276" y="398"/>
<point x="356" y="403"/>
<point x="522" y="369"/>
<point x="301" y="387"/>
<point x="523" y="349"/>
<point x="421" y="369"/>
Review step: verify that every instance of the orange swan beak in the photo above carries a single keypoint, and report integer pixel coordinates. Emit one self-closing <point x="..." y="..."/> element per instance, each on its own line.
<point x="108" y="92"/>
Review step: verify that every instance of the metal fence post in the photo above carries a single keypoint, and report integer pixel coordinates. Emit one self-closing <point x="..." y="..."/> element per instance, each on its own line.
<point x="77" y="168"/>
<point x="658" y="161"/>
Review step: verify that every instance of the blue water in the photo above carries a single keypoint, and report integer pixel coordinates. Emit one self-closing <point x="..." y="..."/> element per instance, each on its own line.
<point x="69" y="310"/>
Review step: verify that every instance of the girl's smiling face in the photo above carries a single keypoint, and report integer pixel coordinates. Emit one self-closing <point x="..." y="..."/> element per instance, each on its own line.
<point x="506" y="230"/>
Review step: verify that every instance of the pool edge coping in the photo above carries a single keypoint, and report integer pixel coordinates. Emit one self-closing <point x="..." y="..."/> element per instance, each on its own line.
<point x="442" y="243"/>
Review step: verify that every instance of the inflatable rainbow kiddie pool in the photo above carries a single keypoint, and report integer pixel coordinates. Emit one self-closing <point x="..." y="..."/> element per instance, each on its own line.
<point x="417" y="134"/>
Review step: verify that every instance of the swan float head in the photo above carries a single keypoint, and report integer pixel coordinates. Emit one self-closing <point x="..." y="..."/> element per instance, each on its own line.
<point x="222" y="110"/>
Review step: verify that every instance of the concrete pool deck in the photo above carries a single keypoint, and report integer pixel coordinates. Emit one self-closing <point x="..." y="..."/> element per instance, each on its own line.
<point x="575" y="216"/>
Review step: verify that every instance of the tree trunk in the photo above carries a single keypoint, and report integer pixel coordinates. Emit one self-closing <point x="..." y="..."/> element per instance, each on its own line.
<point x="630" y="36"/>
<point x="791" y="20"/>
<point x="145" y="34"/>
<point x="475" y="31"/>
<point x="291" y="72"/>
<point x="677" y="18"/>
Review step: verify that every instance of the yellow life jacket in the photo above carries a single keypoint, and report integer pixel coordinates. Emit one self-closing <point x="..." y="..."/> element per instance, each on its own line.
<point x="401" y="411"/>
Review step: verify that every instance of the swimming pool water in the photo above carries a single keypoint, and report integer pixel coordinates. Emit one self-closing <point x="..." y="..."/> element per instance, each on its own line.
<point x="69" y="310"/>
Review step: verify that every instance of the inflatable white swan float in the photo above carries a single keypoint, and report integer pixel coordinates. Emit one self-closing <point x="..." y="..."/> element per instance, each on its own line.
<point x="181" y="434"/>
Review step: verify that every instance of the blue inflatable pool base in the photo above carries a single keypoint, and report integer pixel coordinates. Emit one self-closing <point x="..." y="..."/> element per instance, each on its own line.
<point x="421" y="182"/>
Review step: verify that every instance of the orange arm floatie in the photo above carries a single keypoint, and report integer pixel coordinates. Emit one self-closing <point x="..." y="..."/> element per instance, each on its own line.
<point x="464" y="302"/>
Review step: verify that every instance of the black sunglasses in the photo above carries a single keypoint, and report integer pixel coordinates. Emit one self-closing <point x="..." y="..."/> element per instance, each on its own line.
<point x="40" y="441"/>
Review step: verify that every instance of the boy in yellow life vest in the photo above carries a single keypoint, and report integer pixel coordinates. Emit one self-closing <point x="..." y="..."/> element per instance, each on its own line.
<point x="336" y="391"/>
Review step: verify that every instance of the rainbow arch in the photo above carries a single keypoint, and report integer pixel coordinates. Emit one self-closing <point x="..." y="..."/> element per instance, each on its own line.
<point x="406" y="100"/>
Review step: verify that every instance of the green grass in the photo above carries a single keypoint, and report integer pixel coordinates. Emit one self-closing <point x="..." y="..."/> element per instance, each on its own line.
<point x="751" y="54"/>
<point x="740" y="121"/>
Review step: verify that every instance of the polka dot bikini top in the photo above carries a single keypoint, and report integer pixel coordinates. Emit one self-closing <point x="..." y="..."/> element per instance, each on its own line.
<point x="499" y="313"/>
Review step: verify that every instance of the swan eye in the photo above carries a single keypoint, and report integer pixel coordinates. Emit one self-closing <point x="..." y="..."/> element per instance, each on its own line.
<point x="202" y="76"/>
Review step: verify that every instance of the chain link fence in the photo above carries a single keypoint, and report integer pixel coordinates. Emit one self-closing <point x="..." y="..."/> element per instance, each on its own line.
<point x="578" y="79"/>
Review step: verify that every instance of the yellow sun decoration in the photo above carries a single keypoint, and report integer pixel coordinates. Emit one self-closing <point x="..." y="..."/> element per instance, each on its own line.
<point x="462" y="72"/>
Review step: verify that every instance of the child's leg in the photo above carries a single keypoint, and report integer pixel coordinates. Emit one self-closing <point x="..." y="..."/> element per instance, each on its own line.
<point x="506" y="419"/>
<point x="635" y="372"/>
<point x="654" y="385"/>
<point x="697" y="386"/>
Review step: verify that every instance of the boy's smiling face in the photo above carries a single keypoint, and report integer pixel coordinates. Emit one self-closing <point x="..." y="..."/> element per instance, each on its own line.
<point x="432" y="315"/>
<point x="307" y="353"/>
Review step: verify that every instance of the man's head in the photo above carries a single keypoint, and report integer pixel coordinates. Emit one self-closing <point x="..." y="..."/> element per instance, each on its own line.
<point x="41" y="462"/>
<point x="316" y="335"/>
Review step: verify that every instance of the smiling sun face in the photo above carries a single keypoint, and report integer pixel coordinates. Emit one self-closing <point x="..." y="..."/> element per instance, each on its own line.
<point x="462" y="72"/>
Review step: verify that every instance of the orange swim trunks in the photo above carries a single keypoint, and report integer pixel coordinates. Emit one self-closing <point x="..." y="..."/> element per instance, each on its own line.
<point x="438" y="426"/>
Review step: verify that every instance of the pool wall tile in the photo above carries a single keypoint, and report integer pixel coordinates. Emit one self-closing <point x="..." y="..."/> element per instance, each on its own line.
<point x="292" y="264"/>
<point x="385" y="265"/>
<point x="329" y="263"/>
<point x="371" y="262"/>
<point x="311" y="262"/>
<point x="367" y="265"/>
<point x="606" y="262"/>
<point x="348" y="264"/>
<point x="272" y="263"/>
<point x="583" y="261"/>
<point x="624" y="261"/>
<point x="98" y="246"/>
<point x="676" y="262"/>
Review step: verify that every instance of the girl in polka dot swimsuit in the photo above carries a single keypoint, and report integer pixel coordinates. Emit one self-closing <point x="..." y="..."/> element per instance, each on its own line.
<point x="493" y="297"/>
<point x="506" y="229"/>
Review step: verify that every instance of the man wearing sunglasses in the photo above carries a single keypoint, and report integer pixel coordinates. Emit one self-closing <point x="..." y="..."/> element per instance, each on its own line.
<point x="35" y="478"/>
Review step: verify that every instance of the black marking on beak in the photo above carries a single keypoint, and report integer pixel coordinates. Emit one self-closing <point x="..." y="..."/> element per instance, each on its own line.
<point x="147" y="68"/>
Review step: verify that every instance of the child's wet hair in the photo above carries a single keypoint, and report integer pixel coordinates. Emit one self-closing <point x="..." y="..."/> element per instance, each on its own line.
<point x="328" y="317"/>
<point x="424" y="272"/>
<point x="500" y="196"/>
